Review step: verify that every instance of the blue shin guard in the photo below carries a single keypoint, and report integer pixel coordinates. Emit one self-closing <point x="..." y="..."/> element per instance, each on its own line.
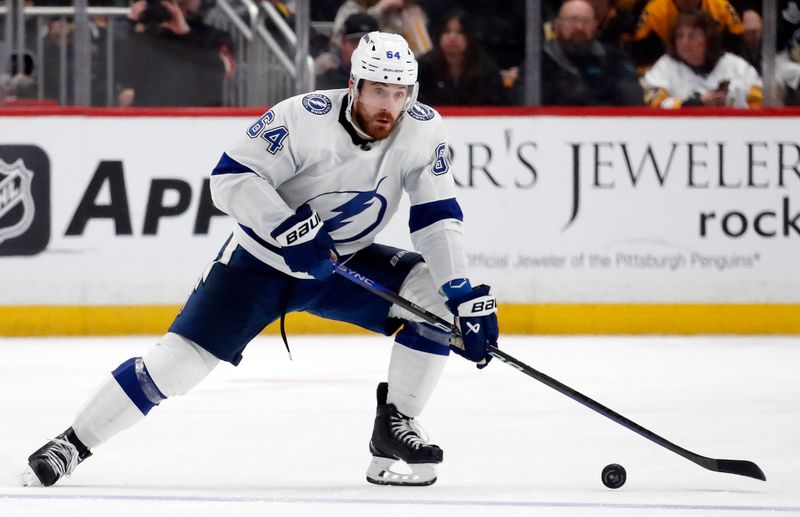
<point x="135" y="381"/>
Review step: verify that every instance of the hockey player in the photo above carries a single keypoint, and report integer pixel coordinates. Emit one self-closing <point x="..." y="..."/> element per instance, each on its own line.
<point x="319" y="175"/>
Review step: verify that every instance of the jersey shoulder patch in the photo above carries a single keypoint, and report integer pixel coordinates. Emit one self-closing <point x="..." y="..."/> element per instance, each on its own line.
<point x="421" y="111"/>
<point x="317" y="103"/>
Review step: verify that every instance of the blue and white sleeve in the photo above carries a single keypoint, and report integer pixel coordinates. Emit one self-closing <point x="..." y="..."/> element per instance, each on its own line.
<point x="435" y="218"/>
<point x="244" y="182"/>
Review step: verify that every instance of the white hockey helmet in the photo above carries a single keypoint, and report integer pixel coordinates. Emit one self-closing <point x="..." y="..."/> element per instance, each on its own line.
<point x="384" y="58"/>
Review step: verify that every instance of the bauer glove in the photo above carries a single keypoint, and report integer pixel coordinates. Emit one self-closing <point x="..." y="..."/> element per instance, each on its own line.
<point x="305" y="245"/>
<point x="476" y="316"/>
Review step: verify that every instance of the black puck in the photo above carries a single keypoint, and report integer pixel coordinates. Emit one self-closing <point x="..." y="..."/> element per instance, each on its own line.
<point x="614" y="475"/>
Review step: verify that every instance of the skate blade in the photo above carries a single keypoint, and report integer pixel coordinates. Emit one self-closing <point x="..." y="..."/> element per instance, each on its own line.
<point x="385" y="471"/>
<point x="29" y="478"/>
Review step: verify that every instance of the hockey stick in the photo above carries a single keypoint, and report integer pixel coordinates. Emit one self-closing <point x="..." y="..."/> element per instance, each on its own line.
<point x="739" y="467"/>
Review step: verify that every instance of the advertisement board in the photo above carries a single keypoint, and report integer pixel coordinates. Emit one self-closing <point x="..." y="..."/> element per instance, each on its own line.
<point x="565" y="215"/>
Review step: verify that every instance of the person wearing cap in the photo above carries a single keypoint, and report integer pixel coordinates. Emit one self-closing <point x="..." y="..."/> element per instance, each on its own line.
<point x="336" y="70"/>
<point x="310" y="184"/>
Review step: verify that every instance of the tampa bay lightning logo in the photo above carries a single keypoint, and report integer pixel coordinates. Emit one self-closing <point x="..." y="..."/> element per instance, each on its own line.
<point x="354" y="214"/>
<point x="317" y="103"/>
<point x="420" y="111"/>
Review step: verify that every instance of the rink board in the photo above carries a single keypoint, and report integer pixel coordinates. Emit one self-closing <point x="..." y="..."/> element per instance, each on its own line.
<point x="552" y="319"/>
<point x="583" y="221"/>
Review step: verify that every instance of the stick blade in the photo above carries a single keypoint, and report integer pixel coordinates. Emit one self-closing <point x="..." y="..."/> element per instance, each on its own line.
<point x="740" y="467"/>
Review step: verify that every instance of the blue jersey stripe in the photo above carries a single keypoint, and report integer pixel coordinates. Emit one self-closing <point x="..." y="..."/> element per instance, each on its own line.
<point x="228" y="165"/>
<point x="426" y="214"/>
<point x="253" y="235"/>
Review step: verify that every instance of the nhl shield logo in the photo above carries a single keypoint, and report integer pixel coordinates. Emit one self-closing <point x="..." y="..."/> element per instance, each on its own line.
<point x="24" y="200"/>
<point x="17" y="208"/>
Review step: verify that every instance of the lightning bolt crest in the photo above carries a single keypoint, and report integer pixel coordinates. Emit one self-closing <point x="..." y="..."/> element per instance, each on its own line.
<point x="351" y="208"/>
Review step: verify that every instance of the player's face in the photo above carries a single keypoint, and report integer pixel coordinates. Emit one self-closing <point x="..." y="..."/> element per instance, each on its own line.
<point x="378" y="107"/>
<point x="690" y="45"/>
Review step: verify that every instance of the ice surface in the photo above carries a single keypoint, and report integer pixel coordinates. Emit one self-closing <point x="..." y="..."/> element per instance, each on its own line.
<point x="275" y="437"/>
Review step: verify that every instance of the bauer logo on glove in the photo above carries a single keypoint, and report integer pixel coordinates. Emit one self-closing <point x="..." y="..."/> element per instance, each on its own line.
<point x="302" y="231"/>
<point x="305" y="245"/>
<point x="482" y="307"/>
<point x="476" y="317"/>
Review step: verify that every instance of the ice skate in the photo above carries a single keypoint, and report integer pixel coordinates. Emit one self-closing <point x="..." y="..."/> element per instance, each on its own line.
<point x="56" y="459"/>
<point x="400" y="456"/>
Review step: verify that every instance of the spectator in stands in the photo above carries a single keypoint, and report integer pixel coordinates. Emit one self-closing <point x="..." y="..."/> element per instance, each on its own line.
<point x="750" y="13"/>
<point x="458" y="72"/>
<point x="579" y="70"/>
<point x="17" y="82"/>
<point x="696" y="71"/>
<point x="787" y="62"/>
<point x="500" y="28"/>
<point x="171" y="57"/>
<point x="611" y="22"/>
<point x="337" y="66"/>
<point x="404" y="17"/>
<point x="650" y="40"/>
<point x="788" y="22"/>
<point x="56" y="38"/>
<point x="787" y="71"/>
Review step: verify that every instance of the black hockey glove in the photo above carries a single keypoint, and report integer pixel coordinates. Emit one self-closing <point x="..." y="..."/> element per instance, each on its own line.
<point x="305" y="245"/>
<point x="476" y="317"/>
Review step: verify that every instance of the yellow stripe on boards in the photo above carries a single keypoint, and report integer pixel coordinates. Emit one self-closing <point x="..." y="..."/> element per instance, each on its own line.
<point x="120" y="320"/>
<point x="650" y="319"/>
<point x="514" y="319"/>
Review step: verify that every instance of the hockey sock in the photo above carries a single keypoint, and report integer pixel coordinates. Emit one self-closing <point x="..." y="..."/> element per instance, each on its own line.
<point x="420" y="288"/>
<point x="108" y="411"/>
<point x="170" y="368"/>
<point x="418" y="358"/>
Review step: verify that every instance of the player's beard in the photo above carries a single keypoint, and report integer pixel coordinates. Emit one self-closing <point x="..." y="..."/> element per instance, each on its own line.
<point x="377" y="126"/>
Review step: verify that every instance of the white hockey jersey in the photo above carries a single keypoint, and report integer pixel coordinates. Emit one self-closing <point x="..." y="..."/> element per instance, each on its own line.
<point x="679" y="82"/>
<point x="304" y="151"/>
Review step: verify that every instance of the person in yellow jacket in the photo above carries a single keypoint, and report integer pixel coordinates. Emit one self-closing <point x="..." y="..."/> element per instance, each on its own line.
<point x="652" y="33"/>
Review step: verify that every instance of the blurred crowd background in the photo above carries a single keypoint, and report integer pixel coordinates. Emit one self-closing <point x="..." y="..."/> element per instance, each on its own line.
<point x="667" y="54"/>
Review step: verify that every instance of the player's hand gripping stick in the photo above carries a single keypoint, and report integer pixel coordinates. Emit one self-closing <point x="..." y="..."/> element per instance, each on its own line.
<point x="476" y="318"/>
<point x="305" y="244"/>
